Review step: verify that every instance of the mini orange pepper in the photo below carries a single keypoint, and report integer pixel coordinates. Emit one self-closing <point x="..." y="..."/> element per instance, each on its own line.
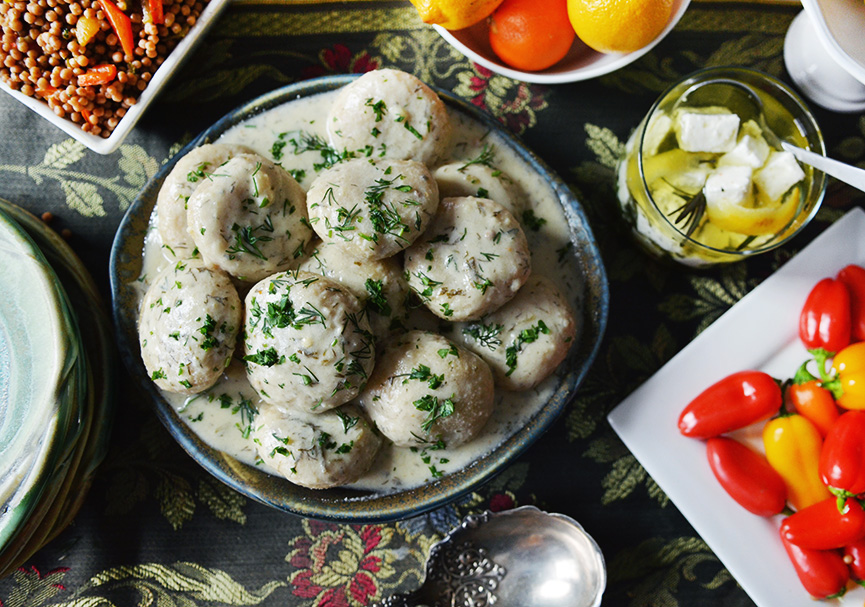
<point x="793" y="445"/>
<point x="121" y="24"/>
<point x="812" y="400"/>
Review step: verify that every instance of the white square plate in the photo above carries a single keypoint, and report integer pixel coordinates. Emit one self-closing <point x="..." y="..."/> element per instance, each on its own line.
<point x="759" y="332"/>
<point x="171" y="64"/>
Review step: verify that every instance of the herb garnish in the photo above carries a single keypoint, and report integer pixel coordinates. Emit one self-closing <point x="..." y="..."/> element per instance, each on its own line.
<point x="485" y="335"/>
<point x="265" y="358"/>
<point x="526" y="336"/>
<point x="436" y="409"/>
<point x="377" y="300"/>
<point x="485" y="157"/>
<point x="532" y="221"/>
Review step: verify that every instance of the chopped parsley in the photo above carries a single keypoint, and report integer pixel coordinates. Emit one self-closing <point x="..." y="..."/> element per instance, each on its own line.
<point x="444" y="352"/>
<point x="277" y="147"/>
<point x="532" y="221"/>
<point x="428" y="283"/>
<point x="526" y="336"/>
<point x="435" y="408"/>
<point x="379" y="108"/>
<point x="197" y="173"/>
<point x="377" y="300"/>
<point x="265" y="358"/>
<point x="424" y="373"/>
<point x="206" y="329"/>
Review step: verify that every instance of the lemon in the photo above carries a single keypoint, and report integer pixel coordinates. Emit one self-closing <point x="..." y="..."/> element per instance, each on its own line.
<point x="754" y="221"/>
<point x="455" y="14"/>
<point x="618" y="26"/>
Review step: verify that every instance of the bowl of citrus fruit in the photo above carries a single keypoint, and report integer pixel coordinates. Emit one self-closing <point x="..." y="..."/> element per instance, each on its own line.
<point x="552" y="41"/>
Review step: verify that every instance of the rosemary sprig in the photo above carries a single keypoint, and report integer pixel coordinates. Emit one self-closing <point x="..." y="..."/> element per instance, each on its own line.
<point x="691" y="213"/>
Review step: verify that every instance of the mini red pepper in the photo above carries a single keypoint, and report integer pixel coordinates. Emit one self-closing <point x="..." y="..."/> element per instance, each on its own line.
<point x="842" y="460"/>
<point x="824" y="322"/>
<point x="854" y="556"/>
<point x="823" y="527"/>
<point x="853" y="277"/>
<point x="121" y="24"/>
<point x="823" y="573"/>
<point x="846" y="379"/>
<point x="746" y="476"/>
<point x="98" y="74"/>
<point x="734" y="402"/>
<point x="812" y="400"/>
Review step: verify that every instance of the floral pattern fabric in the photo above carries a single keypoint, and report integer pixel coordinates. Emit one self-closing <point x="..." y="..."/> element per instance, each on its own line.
<point x="157" y="530"/>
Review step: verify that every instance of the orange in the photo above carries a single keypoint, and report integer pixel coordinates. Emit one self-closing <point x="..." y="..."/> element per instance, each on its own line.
<point x="531" y="35"/>
<point x="619" y="26"/>
<point x="454" y="14"/>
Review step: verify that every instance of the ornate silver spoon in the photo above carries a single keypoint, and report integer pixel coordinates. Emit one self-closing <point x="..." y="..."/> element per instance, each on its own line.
<point x="516" y="558"/>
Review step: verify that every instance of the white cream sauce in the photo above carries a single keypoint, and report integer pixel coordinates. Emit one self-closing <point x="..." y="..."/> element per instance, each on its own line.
<point x="221" y="422"/>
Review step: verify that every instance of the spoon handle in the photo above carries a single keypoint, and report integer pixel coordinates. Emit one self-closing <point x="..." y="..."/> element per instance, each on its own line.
<point x="839" y="170"/>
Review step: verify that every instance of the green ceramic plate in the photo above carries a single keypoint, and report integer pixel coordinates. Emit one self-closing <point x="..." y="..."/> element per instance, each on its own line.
<point x="41" y="380"/>
<point x="97" y="410"/>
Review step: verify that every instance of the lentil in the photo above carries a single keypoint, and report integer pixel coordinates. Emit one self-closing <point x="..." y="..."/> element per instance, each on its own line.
<point x="41" y="57"/>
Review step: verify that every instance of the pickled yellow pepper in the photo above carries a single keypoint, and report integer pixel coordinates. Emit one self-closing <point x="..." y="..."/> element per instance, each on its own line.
<point x="793" y="444"/>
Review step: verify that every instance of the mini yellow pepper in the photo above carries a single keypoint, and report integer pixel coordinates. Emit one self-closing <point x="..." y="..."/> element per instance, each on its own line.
<point x="793" y="445"/>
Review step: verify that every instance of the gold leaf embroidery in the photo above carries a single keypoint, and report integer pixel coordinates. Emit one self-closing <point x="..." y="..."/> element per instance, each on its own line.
<point x="61" y="155"/>
<point x="83" y="197"/>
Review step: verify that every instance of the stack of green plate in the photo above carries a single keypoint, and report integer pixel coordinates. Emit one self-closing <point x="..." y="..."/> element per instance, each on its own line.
<point x="56" y="384"/>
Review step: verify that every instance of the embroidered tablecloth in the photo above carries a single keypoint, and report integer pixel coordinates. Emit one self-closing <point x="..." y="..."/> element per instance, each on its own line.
<point x="158" y="530"/>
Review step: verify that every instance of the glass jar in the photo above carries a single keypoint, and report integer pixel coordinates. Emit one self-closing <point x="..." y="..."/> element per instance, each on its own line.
<point x="662" y="188"/>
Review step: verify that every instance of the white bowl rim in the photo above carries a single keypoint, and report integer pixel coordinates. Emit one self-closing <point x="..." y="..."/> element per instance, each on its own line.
<point x="174" y="60"/>
<point x="850" y="65"/>
<point x="600" y="68"/>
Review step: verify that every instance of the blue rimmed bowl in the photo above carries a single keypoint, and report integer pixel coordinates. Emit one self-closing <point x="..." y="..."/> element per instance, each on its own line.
<point x="349" y="505"/>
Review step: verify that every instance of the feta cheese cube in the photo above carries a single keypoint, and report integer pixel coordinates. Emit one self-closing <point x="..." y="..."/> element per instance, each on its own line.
<point x="706" y="131"/>
<point x="780" y="173"/>
<point x="727" y="185"/>
<point x="750" y="151"/>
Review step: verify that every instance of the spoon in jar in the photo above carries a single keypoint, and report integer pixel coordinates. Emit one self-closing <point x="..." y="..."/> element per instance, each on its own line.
<point x="839" y="170"/>
<point x="515" y="558"/>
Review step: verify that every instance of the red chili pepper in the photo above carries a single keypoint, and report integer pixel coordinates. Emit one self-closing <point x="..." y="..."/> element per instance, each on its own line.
<point x="98" y="74"/>
<point x="121" y="24"/>
<point x="854" y="556"/>
<point x="824" y="322"/>
<point x="823" y="527"/>
<point x="842" y="459"/>
<point x="746" y="476"/>
<point x="813" y="401"/>
<point x="153" y="12"/>
<point x="823" y="573"/>
<point x="734" y="402"/>
<point x="853" y="277"/>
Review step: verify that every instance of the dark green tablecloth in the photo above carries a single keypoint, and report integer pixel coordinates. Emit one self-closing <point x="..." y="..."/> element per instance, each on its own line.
<point x="157" y="530"/>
